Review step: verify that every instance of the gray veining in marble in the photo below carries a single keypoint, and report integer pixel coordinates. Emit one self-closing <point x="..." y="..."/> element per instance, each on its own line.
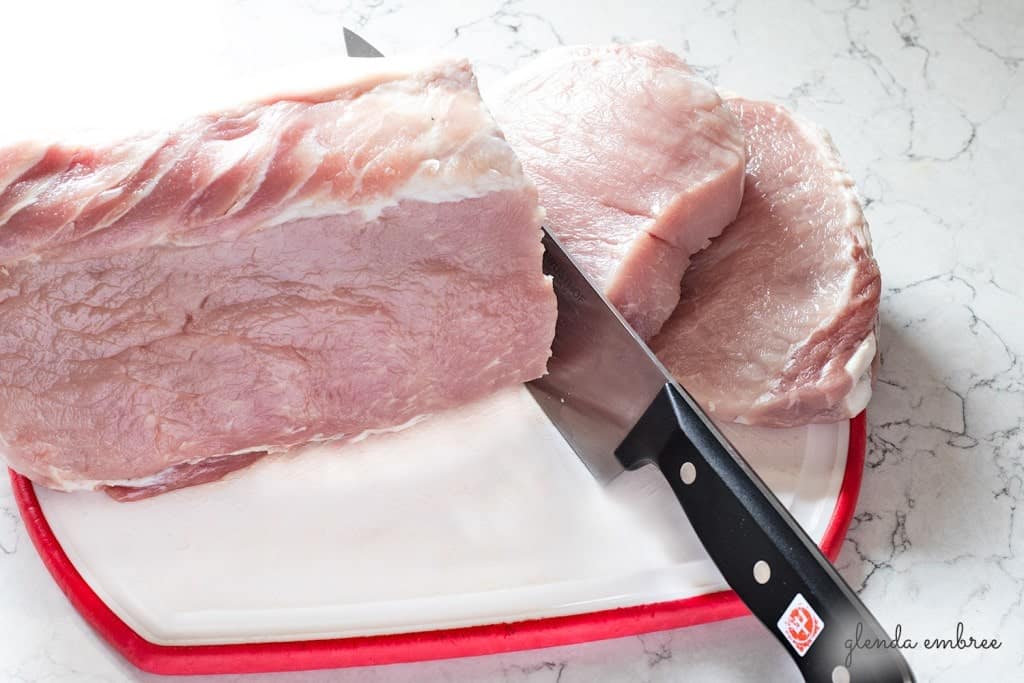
<point x="925" y="99"/>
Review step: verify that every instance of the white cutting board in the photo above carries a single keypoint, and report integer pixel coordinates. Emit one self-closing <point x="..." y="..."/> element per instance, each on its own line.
<point x="481" y="515"/>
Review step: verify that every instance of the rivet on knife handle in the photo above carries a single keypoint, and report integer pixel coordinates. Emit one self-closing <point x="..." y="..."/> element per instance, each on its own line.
<point x="764" y="555"/>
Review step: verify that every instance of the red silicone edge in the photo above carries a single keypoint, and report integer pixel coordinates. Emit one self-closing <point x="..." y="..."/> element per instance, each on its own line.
<point x="406" y="647"/>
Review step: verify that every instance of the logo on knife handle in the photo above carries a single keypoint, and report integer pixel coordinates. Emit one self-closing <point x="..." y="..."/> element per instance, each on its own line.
<point x="800" y="624"/>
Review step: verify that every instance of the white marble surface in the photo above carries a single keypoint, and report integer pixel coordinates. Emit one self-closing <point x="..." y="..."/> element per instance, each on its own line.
<point x="926" y="102"/>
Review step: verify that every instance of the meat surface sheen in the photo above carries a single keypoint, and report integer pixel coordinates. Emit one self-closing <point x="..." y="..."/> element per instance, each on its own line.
<point x="637" y="161"/>
<point x="301" y="268"/>
<point x="777" y="319"/>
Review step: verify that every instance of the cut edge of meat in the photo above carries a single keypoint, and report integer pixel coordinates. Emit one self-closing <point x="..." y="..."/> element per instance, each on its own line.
<point x="644" y="306"/>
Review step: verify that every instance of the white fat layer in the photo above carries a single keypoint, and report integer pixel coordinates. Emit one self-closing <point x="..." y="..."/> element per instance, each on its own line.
<point x="387" y="430"/>
<point x="61" y="481"/>
<point x="858" y="367"/>
<point x="857" y="399"/>
<point x="425" y="185"/>
<point x="57" y="478"/>
<point x="324" y="438"/>
<point x="859" y="363"/>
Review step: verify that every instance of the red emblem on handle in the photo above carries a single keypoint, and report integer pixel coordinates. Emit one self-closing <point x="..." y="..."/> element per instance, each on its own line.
<point x="800" y="624"/>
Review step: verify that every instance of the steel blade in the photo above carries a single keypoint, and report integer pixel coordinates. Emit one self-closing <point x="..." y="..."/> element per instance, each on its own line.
<point x="355" y="46"/>
<point x="601" y="376"/>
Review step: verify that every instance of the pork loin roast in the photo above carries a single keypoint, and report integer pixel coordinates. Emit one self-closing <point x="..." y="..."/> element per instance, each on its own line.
<point x="302" y="267"/>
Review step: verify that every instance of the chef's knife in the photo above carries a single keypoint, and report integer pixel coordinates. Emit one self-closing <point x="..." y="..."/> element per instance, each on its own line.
<point x="619" y="409"/>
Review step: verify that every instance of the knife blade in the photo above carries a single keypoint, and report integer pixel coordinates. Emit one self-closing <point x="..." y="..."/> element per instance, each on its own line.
<point x="601" y="376"/>
<point x="355" y="46"/>
<point x="619" y="409"/>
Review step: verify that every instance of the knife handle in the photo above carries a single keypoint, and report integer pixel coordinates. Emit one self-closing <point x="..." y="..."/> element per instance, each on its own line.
<point x="763" y="553"/>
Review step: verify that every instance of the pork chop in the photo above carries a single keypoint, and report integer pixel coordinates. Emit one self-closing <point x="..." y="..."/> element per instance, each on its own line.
<point x="637" y="161"/>
<point x="777" y="318"/>
<point x="302" y="267"/>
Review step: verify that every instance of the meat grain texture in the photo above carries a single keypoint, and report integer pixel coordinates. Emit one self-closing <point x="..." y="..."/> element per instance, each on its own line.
<point x="637" y="161"/>
<point x="303" y="267"/>
<point x="777" y="320"/>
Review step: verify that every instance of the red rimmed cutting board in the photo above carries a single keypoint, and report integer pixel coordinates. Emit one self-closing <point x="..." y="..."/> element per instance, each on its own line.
<point x="474" y="532"/>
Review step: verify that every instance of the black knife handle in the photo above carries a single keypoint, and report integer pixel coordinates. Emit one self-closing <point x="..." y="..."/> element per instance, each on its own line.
<point x="763" y="553"/>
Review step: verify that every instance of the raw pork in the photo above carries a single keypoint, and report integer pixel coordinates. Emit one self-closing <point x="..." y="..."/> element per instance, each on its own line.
<point x="637" y="161"/>
<point x="304" y="267"/>
<point x="776" y="324"/>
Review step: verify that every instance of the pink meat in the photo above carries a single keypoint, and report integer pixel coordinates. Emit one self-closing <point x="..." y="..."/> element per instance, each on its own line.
<point x="637" y="161"/>
<point x="300" y="268"/>
<point x="776" y="324"/>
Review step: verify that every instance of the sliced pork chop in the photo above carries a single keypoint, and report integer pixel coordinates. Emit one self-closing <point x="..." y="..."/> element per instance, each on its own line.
<point x="637" y="161"/>
<point x="776" y="323"/>
<point x="304" y="267"/>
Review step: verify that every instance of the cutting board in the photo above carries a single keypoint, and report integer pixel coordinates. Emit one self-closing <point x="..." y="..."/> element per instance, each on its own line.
<point x="474" y="531"/>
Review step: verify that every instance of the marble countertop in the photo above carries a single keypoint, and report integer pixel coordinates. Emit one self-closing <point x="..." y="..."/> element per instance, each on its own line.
<point x="925" y="100"/>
